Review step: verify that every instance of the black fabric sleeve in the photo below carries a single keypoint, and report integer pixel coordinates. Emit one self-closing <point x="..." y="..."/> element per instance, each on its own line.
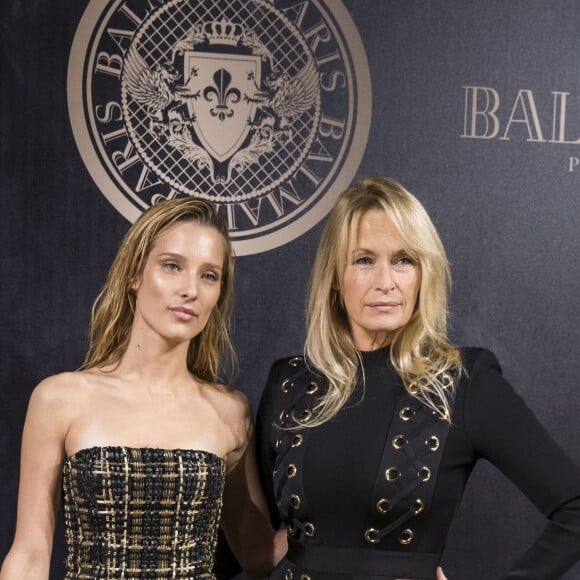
<point x="265" y="451"/>
<point x="506" y="432"/>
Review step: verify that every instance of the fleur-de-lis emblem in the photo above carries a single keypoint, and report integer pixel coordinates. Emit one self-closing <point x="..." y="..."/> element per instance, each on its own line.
<point x="223" y="93"/>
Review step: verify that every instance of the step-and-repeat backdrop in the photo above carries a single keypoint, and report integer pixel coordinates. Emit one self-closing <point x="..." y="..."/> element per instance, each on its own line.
<point x="271" y="108"/>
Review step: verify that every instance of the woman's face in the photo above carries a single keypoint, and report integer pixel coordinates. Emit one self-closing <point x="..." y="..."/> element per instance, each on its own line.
<point x="380" y="283"/>
<point x="181" y="282"/>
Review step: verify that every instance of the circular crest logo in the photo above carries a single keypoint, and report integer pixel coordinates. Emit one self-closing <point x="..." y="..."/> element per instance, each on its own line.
<point x="262" y="107"/>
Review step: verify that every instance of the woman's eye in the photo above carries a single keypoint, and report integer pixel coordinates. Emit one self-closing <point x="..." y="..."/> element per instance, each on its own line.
<point x="363" y="261"/>
<point x="404" y="261"/>
<point x="211" y="276"/>
<point x="171" y="266"/>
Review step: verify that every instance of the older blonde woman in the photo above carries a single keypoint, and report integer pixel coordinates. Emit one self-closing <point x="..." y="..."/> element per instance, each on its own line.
<point x="366" y="441"/>
<point x="144" y="442"/>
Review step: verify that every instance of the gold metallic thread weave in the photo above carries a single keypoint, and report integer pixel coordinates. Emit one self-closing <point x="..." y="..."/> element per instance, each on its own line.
<point x="135" y="513"/>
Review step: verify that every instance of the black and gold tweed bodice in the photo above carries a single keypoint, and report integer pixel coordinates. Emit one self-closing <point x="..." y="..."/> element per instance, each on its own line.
<point x="133" y="513"/>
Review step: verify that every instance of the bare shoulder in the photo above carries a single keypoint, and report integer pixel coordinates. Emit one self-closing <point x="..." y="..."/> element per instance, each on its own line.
<point x="56" y="388"/>
<point x="231" y="404"/>
<point x="53" y="406"/>
<point x="235" y="413"/>
<point x="59" y="392"/>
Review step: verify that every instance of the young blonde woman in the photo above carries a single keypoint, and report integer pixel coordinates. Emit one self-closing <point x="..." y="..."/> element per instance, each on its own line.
<point x="367" y="441"/>
<point x="143" y="441"/>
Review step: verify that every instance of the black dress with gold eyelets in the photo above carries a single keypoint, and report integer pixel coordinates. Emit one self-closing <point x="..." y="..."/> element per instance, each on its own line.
<point x="136" y="513"/>
<point x="371" y="493"/>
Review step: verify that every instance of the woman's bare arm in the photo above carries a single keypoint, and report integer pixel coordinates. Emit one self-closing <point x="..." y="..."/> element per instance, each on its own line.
<point x="42" y="457"/>
<point x="245" y="518"/>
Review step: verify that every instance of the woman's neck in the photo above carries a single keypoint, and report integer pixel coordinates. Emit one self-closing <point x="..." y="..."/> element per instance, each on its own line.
<point x="154" y="362"/>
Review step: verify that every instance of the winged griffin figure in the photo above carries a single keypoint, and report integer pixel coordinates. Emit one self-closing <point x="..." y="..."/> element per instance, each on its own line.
<point x="156" y="88"/>
<point x="282" y="101"/>
<point x="286" y="97"/>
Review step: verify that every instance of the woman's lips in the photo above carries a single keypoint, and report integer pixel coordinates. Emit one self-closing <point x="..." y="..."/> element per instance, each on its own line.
<point x="183" y="313"/>
<point x="383" y="306"/>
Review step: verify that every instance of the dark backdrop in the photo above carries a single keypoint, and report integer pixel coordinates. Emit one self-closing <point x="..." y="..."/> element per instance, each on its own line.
<point x="507" y="210"/>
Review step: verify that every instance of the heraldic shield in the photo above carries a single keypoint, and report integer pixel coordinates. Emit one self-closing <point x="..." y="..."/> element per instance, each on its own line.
<point x="223" y="112"/>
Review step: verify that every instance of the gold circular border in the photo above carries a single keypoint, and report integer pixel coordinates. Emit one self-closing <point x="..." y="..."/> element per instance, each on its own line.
<point x="356" y="141"/>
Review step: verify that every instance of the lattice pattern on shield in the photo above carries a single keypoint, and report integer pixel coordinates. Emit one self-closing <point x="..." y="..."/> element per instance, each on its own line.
<point x="155" y="41"/>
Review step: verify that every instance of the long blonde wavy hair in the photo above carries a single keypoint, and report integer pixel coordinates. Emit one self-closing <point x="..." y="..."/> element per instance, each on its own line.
<point x="420" y="351"/>
<point x="114" y="308"/>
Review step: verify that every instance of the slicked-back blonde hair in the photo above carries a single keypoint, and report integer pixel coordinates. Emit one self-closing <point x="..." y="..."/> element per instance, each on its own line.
<point x="114" y="308"/>
<point x="420" y="351"/>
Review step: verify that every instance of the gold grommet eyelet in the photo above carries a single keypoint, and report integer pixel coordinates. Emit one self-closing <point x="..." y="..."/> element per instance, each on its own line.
<point x="278" y="443"/>
<point x="294" y="361"/>
<point x="424" y="473"/>
<point x="383" y="506"/>
<point x="405" y="413"/>
<point x="392" y="474"/>
<point x="306" y="415"/>
<point x="297" y="440"/>
<point x="295" y="501"/>
<point x="304" y="577"/>
<point x="417" y="507"/>
<point x="291" y="471"/>
<point x="288" y="574"/>
<point x="309" y="529"/>
<point x="283" y="416"/>
<point x="406" y="536"/>
<point x="398" y="441"/>
<point x="285" y="386"/>
<point x="372" y="536"/>
<point x="433" y="443"/>
<point x="312" y="388"/>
